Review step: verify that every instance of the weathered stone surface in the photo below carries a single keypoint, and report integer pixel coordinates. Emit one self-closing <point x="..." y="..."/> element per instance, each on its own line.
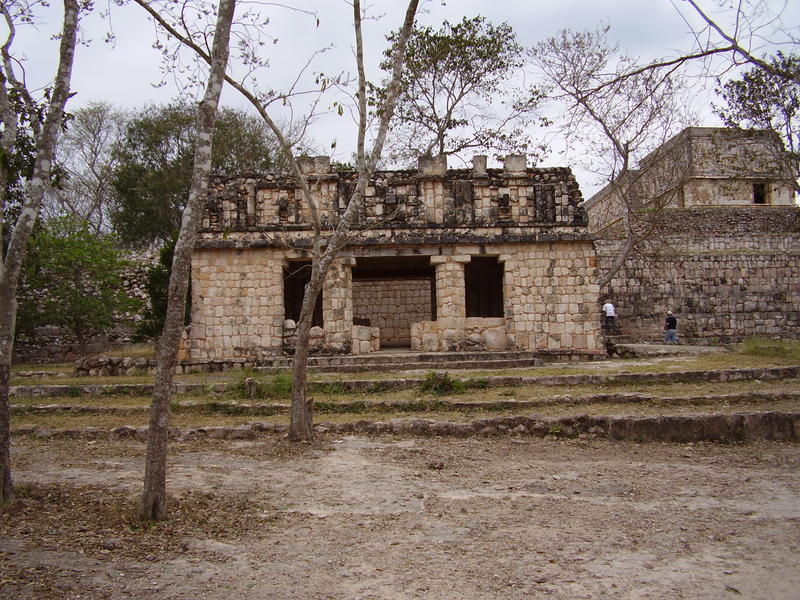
<point x="530" y="217"/>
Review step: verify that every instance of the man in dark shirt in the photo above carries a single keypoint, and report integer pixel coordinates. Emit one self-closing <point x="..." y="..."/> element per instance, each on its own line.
<point x="671" y="329"/>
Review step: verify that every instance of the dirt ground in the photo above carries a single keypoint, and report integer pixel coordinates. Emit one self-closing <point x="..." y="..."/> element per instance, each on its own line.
<point x="402" y="518"/>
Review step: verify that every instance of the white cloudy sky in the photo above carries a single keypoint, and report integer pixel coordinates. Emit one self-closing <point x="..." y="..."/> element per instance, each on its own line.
<point x="124" y="74"/>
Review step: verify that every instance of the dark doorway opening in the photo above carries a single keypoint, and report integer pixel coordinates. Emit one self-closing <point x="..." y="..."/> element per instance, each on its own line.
<point x="295" y="278"/>
<point x="759" y="193"/>
<point x="391" y="293"/>
<point x="483" y="280"/>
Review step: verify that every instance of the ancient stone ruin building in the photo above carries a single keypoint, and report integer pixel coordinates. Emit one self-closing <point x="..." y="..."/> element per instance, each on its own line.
<point x="725" y="241"/>
<point x="703" y="166"/>
<point x="441" y="260"/>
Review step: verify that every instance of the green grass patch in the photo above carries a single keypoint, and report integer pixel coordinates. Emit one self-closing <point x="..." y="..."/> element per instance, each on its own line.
<point x="252" y="385"/>
<point x="771" y="349"/>
<point x="441" y="382"/>
<point x="333" y="388"/>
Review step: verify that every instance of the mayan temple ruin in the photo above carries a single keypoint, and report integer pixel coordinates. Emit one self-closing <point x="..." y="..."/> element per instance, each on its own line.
<point x="449" y="260"/>
<point x="724" y="239"/>
<point x="440" y="260"/>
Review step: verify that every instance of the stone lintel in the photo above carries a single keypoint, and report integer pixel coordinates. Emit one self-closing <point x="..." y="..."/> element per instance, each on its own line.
<point x="439" y="259"/>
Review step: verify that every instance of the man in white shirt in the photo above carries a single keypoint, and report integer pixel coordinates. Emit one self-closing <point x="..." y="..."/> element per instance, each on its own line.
<point x="610" y="323"/>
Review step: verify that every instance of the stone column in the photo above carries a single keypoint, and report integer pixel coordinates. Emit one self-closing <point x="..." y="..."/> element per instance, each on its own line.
<point x="509" y="272"/>
<point x="337" y="306"/>
<point x="450" y="300"/>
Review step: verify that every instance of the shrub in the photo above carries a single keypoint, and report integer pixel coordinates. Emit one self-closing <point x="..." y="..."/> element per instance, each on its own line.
<point x="441" y="383"/>
<point x="250" y="385"/>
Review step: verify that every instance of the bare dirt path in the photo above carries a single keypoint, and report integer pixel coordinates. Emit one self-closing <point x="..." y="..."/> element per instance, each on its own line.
<point x="402" y="518"/>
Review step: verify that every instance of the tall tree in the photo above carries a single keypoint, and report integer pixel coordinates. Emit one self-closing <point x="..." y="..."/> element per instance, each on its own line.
<point x="153" y="165"/>
<point x="326" y="243"/>
<point x="85" y="154"/>
<point x="44" y="129"/>
<point x="18" y="164"/>
<point x="154" y="494"/>
<point x="764" y="99"/>
<point x="457" y="92"/>
<point x="618" y="117"/>
<point x="73" y="278"/>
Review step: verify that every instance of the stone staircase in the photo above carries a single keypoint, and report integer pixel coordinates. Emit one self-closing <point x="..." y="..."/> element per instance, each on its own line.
<point x="405" y="360"/>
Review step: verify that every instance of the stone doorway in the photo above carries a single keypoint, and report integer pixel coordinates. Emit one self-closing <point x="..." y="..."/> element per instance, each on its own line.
<point x="295" y="277"/>
<point x="391" y="293"/>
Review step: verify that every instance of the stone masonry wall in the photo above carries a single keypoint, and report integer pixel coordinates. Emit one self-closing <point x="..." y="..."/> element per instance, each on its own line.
<point x="416" y="199"/>
<point x="237" y="303"/>
<point x="551" y="296"/>
<point x="529" y="218"/>
<point x="733" y="192"/>
<point x="392" y="305"/>
<point x="727" y="273"/>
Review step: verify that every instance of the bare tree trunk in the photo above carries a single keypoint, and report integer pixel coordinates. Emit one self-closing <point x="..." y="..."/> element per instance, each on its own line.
<point x="12" y="261"/>
<point x="8" y="304"/>
<point x="300" y="426"/>
<point x="153" y="501"/>
<point x="624" y="252"/>
<point x="300" y="423"/>
<point x="300" y="419"/>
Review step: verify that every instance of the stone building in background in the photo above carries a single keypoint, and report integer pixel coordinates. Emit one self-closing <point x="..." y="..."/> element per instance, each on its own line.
<point x="724" y="238"/>
<point x="440" y="260"/>
<point x="701" y="167"/>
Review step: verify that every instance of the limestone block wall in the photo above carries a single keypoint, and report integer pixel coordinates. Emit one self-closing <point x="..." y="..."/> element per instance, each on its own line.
<point x="721" y="152"/>
<point x="605" y="209"/>
<point x="233" y="301"/>
<point x="366" y="339"/>
<point x="702" y="166"/>
<point x="727" y="273"/>
<point x="450" y="300"/>
<point x="392" y="305"/>
<point x="415" y="198"/>
<point x="551" y="296"/>
<point x="480" y="333"/>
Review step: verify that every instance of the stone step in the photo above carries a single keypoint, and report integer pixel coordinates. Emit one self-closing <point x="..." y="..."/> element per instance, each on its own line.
<point x="354" y="367"/>
<point x="353" y="363"/>
<point x="355" y="385"/>
<point x="726" y="428"/>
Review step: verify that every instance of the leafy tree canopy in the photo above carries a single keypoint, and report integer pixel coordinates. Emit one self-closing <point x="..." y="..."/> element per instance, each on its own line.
<point x="17" y="166"/>
<point x="455" y="93"/>
<point x="154" y="165"/>
<point x="765" y="99"/>
<point x="157" y="285"/>
<point x="73" y="279"/>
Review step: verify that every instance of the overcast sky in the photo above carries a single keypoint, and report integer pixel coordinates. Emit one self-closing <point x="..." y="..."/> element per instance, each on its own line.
<point x="125" y="73"/>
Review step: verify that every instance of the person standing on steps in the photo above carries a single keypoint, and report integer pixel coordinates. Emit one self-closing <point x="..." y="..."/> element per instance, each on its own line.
<point x="671" y="329"/>
<point x="610" y="320"/>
